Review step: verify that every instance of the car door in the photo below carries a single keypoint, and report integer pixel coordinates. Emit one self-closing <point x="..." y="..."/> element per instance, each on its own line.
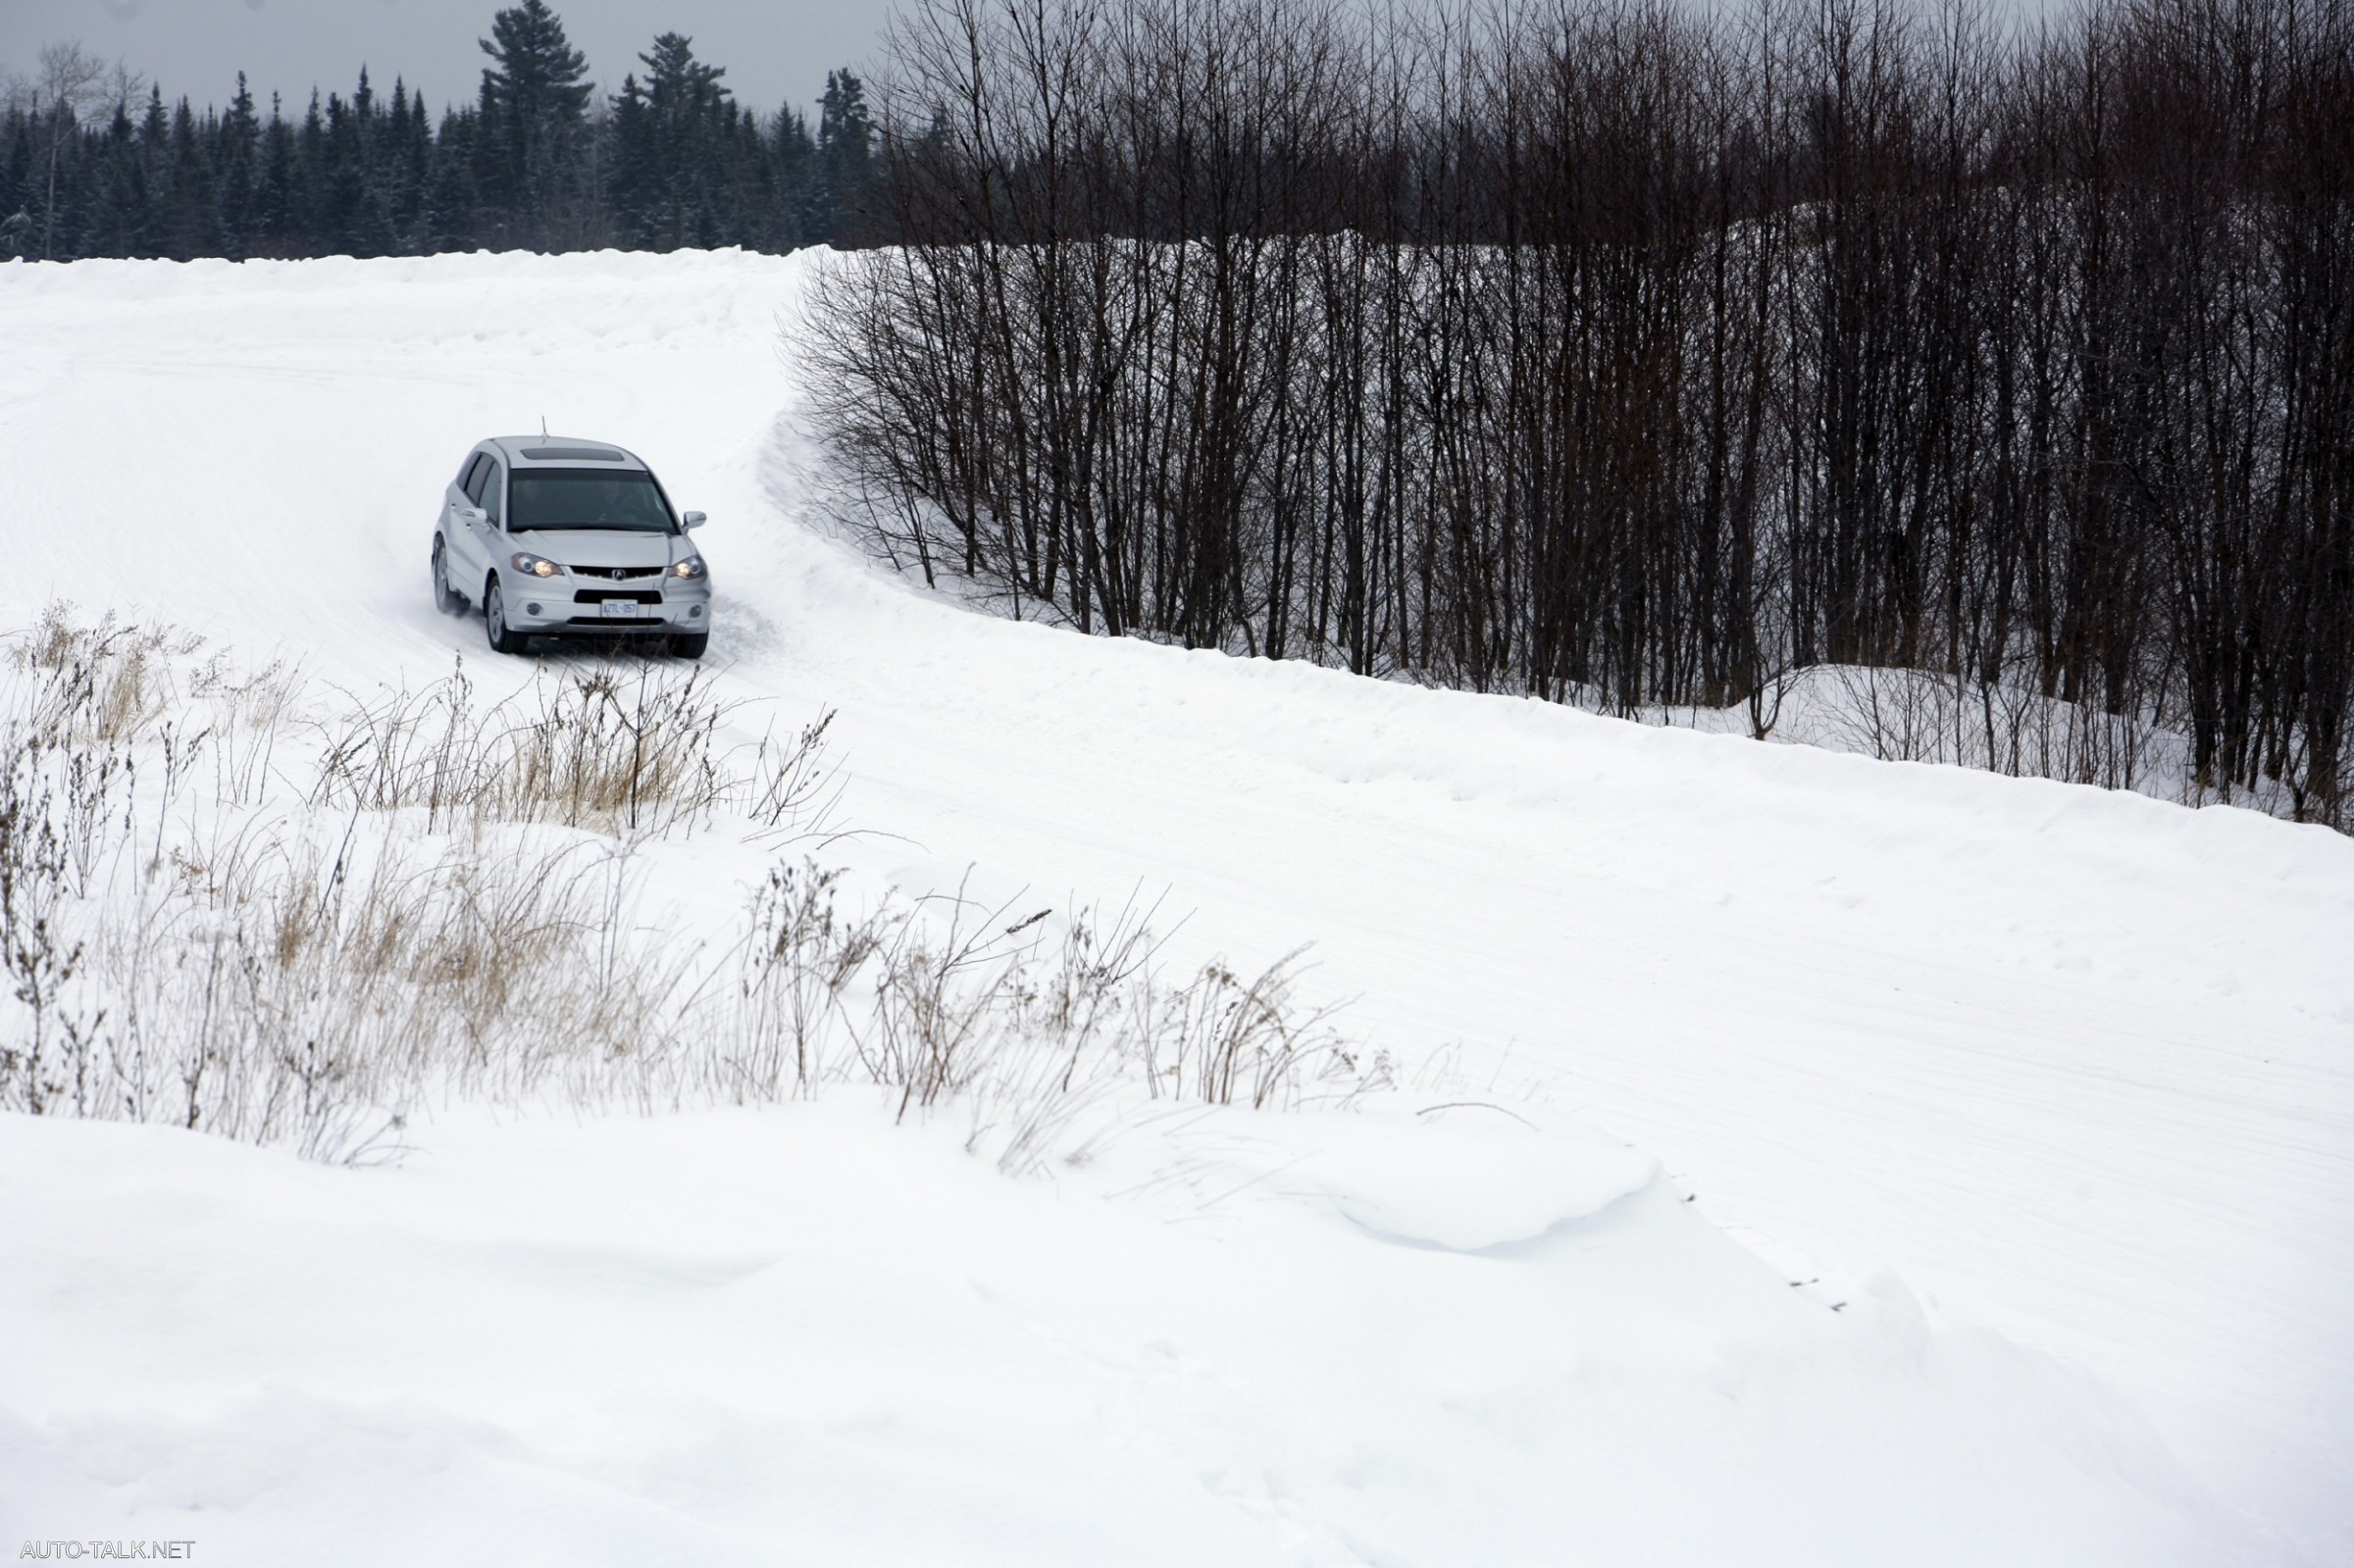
<point x="488" y="494"/>
<point x="456" y="496"/>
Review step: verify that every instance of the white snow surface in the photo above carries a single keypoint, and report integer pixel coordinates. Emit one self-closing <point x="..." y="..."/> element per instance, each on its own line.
<point x="2050" y="1090"/>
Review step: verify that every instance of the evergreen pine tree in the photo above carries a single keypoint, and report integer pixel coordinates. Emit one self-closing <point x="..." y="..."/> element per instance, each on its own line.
<point x="148" y="169"/>
<point x="273" y="196"/>
<point x="359" y="148"/>
<point x="846" y="134"/>
<point x="407" y="163"/>
<point x="237" y="160"/>
<point x="535" y="117"/>
<point x="117" y="192"/>
<point x="452" y="221"/>
<point x="494" y="222"/>
<point x="671" y="135"/>
<point x="189" y="226"/>
<point x="792" y="178"/>
<point x="749" y="208"/>
<point x="16" y="230"/>
<point x="307" y="202"/>
<point x="336" y="173"/>
<point x="633" y="171"/>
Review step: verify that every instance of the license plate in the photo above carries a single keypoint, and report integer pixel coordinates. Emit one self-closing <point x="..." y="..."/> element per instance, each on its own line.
<point x="620" y="607"/>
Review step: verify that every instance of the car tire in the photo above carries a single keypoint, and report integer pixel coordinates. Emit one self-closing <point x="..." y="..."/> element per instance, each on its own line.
<point x="494" y="621"/>
<point x="447" y="599"/>
<point x="691" y="644"/>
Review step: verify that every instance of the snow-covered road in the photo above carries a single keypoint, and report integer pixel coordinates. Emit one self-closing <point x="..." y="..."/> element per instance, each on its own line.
<point x="2073" y="1067"/>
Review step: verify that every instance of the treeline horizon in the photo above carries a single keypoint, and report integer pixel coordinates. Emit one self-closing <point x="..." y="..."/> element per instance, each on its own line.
<point x="1638" y="356"/>
<point x="96" y="162"/>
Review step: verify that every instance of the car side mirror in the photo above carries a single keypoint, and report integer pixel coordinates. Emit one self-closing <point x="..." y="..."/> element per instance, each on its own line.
<point x="471" y="513"/>
<point x="693" y="520"/>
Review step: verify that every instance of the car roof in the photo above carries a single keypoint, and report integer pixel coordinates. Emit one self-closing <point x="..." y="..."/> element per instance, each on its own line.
<point x="561" y="451"/>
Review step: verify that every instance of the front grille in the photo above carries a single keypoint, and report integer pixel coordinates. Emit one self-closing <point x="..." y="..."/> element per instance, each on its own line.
<point x="618" y="574"/>
<point x="600" y="595"/>
<point x="617" y="619"/>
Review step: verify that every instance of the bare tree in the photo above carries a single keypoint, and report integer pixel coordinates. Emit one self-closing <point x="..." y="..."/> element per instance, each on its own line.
<point x="69" y="84"/>
<point x="1641" y="358"/>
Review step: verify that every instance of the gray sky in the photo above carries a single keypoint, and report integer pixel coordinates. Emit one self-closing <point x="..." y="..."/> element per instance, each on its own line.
<point x="773" y="49"/>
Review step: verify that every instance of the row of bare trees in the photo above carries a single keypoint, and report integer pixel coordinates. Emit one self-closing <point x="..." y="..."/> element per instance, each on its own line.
<point x="1637" y="356"/>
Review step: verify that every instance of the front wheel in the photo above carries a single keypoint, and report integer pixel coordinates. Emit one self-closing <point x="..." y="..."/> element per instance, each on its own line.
<point x="445" y="599"/>
<point x="494" y="621"/>
<point x="691" y="644"/>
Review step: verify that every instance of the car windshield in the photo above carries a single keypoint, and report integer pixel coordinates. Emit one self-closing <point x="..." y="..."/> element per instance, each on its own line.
<point x="627" y="500"/>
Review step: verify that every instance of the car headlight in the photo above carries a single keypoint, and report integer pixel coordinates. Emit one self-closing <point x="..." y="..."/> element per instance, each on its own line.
<point x="691" y="567"/>
<point x="538" y="566"/>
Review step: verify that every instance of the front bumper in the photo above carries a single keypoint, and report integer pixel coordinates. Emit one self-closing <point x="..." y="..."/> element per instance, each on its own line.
<point x="574" y="606"/>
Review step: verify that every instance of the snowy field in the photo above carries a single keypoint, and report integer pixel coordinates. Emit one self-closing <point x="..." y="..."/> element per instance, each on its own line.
<point x="2017" y="1120"/>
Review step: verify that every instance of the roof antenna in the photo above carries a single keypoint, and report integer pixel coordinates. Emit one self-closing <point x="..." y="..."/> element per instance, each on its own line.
<point x="543" y="426"/>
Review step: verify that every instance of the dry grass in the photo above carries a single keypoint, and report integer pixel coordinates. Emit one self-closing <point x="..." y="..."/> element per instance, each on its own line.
<point x="634" y="749"/>
<point x="224" y="908"/>
<point x="630" y="747"/>
<point x="311" y="993"/>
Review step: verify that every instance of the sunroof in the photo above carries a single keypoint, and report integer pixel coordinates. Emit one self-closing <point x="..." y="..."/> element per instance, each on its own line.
<point x="573" y="454"/>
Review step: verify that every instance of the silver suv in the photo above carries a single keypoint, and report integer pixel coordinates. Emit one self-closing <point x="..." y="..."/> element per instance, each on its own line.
<point x="558" y="537"/>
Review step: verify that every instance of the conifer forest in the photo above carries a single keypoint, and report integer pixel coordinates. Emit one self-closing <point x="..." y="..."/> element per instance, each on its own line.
<point x="96" y="162"/>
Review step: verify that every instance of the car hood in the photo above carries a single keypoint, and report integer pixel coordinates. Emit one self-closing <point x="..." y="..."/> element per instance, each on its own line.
<point x="600" y="546"/>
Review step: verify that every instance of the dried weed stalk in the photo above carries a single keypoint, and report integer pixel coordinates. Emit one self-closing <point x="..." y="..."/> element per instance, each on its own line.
<point x="446" y="907"/>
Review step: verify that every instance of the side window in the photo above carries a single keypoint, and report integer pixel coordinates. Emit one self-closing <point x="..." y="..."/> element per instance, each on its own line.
<point x="494" y="492"/>
<point x="470" y="476"/>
